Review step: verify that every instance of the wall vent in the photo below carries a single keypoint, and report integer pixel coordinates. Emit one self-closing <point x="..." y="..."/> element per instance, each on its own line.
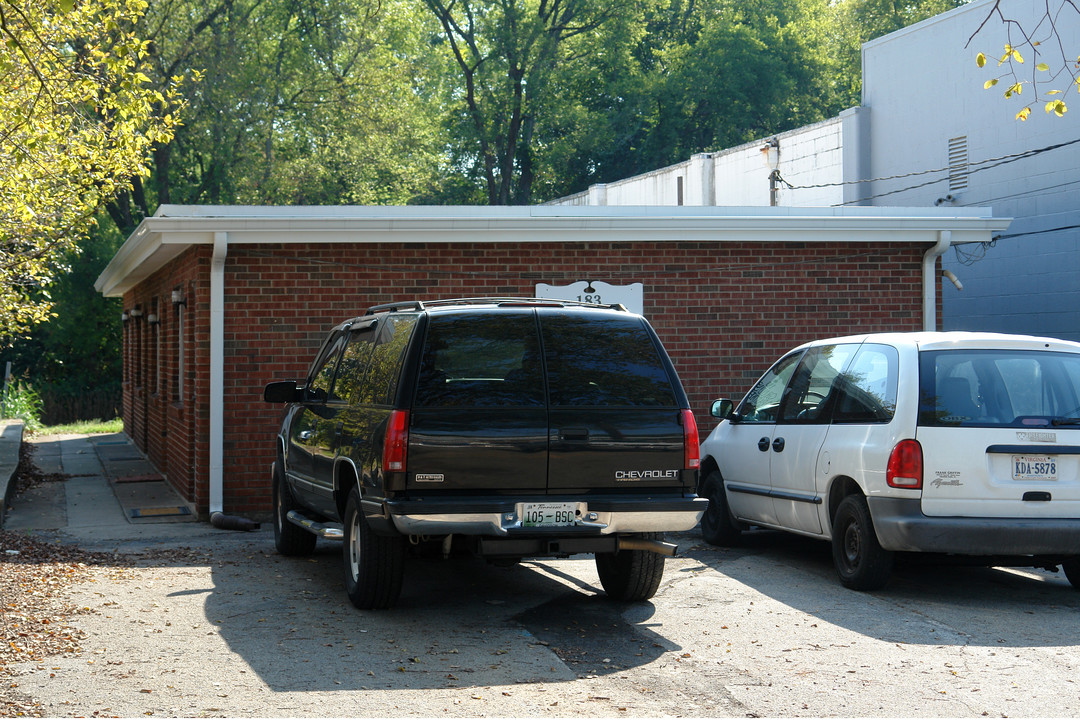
<point x="958" y="164"/>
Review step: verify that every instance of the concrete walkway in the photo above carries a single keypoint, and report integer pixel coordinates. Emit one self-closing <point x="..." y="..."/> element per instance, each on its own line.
<point x="113" y="496"/>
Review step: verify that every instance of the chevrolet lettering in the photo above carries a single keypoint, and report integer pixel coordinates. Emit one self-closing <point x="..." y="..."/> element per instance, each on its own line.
<point x="645" y="474"/>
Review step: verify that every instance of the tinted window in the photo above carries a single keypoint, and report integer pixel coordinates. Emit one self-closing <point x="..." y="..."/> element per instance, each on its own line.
<point x="481" y="360"/>
<point x="808" y="397"/>
<point x="1018" y="388"/>
<point x="603" y="360"/>
<point x="392" y="336"/>
<point x="868" y="387"/>
<point x="353" y="364"/>
<point x="322" y="372"/>
<point x="762" y="403"/>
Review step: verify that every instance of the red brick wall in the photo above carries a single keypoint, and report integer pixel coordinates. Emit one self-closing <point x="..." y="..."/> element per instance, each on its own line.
<point x="725" y="312"/>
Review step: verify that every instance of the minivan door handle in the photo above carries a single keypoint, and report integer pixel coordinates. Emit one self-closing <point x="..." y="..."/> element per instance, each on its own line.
<point x="763" y="444"/>
<point x="778" y="445"/>
<point x="574" y="433"/>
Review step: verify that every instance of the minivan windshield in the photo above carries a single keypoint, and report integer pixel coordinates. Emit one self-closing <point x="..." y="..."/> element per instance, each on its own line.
<point x="999" y="388"/>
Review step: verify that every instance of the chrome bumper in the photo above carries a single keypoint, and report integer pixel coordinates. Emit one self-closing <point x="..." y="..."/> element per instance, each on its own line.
<point x="503" y="518"/>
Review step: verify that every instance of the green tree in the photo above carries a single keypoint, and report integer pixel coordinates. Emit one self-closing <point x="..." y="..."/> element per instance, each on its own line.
<point x="77" y="121"/>
<point x="510" y="58"/>
<point x="303" y="102"/>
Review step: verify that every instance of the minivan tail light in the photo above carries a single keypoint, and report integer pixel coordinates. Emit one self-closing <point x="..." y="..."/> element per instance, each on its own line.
<point x="396" y="442"/>
<point x="905" y="469"/>
<point x="691" y="446"/>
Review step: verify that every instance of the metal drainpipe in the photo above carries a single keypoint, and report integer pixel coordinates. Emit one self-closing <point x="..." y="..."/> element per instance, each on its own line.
<point x="217" y="370"/>
<point x="929" y="278"/>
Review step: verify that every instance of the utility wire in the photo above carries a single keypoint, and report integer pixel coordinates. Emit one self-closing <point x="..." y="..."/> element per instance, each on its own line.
<point x="971" y="169"/>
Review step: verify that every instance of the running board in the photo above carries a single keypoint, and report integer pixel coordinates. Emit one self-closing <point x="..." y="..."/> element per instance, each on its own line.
<point x="330" y="531"/>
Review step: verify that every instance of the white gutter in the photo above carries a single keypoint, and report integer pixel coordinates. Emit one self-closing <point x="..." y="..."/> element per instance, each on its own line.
<point x="929" y="278"/>
<point x="217" y="370"/>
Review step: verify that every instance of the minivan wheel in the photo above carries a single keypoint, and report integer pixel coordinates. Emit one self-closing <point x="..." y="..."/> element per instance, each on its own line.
<point x="860" y="561"/>
<point x="374" y="564"/>
<point x="717" y="525"/>
<point x="1071" y="568"/>
<point x="289" y="539"/>
<point x="631" y="575"/>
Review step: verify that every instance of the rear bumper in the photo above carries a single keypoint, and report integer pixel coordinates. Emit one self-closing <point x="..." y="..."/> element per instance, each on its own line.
<point x="901" y="526"/>
<point x="502" y="516"/>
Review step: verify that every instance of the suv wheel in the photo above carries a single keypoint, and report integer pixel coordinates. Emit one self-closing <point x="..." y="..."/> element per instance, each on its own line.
<point x="717" y="525"/>
<point x="631" y="575"/>
<point x="289" y="539"/>
<point x="374" y="564"/>
<point x="1071" y="567"/>
<point x="860" y="561"/>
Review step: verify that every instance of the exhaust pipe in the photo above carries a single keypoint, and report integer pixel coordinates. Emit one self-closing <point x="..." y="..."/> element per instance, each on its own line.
<point x="656" y="546"/>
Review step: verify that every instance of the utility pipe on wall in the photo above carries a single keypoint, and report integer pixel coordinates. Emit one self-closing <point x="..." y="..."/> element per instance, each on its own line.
<point x="929" y="278"/>
<point x="217" y="371"/>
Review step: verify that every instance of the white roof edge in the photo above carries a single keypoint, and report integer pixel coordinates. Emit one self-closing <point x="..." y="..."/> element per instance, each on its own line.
<point x="175" y="228"/>
<point x="487" y="212"/>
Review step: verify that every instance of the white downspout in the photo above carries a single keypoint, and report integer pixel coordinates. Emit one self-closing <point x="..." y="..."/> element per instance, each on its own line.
<point x="929" y="278"/>
<point x="217" y="370"/>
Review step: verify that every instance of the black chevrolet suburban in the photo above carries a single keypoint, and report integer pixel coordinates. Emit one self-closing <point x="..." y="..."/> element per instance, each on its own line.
<point x="508" y="427"/>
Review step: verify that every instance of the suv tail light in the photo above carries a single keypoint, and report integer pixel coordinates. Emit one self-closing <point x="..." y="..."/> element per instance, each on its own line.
<point x="905" y="466"/>
<point x="396" y="441"/>
<point x="691" y="446"/>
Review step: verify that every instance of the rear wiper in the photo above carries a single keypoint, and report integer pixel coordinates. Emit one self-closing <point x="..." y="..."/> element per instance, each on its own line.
<point x="1065" y="421"/>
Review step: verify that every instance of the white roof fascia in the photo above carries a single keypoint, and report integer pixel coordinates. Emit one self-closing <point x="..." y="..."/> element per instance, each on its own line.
<point x="176" y="228"/>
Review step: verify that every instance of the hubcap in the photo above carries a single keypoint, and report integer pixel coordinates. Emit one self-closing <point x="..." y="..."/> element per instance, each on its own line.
<point x="354" y="547"/>
<point x="852" y="544"/>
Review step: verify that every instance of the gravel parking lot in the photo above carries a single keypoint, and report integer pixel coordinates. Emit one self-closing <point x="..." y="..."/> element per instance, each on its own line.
<point x="229" y="628"/>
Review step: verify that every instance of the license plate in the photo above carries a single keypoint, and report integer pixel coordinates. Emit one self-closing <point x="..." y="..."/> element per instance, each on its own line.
<point x="1034" y="467"/>
<point x="539" y="515"/>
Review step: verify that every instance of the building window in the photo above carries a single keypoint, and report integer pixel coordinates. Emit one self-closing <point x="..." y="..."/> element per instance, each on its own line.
<point x="958" y="164"/>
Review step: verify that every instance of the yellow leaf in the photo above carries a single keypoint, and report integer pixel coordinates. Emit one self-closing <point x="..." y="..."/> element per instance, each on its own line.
<point x="980" y="59"/>
<point x="1023" y="114"/>
<point x="1016" y="56"/>
<point x="1054" y="92"/>
<point x="1042" y="66"/>
<point x="990" y="83"/>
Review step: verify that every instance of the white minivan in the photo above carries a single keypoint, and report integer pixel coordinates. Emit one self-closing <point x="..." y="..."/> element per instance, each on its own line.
<point x="941" y="442"/>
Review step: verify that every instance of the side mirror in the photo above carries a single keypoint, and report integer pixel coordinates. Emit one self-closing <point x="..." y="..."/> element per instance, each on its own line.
<point x="723" y="409"/>
<point x="285" y="391"/>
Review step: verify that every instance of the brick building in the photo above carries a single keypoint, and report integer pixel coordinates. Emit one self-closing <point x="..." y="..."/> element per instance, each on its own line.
<point x="218" y="301"/>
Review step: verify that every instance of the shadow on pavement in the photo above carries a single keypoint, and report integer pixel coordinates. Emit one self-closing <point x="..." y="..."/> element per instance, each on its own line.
<point x="977" y="606"/>
<point x="459" y="623"/>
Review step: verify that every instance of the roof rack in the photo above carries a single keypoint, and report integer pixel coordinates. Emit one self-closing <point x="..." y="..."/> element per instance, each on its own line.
<point x="416" y="305"/>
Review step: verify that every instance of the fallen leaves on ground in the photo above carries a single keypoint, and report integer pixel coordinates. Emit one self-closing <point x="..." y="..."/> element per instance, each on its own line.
<point x="35" y="616"/>
<point x="35" y="619"/>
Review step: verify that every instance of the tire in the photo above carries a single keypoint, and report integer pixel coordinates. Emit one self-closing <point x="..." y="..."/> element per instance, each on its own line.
<point x="861" y="563"/>
<point x="374" y="564"/>
<point x="717" y="525"/>
<point x="289" y="539"/>
<point x="1071" y="568"/>
<point x="631" y="575"/>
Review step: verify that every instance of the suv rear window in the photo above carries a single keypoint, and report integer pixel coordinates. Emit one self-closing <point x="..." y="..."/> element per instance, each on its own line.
<point x="603" y="360"/>
<point x="481" y="360"/>
<point x="1008" y="388"/>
